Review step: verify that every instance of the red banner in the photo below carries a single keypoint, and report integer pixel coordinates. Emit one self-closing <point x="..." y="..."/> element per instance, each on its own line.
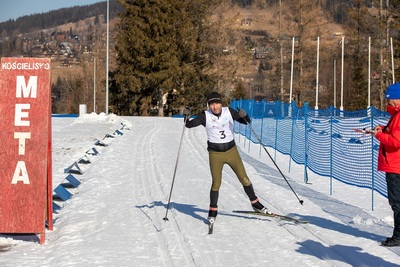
<point x="25" y="125"/>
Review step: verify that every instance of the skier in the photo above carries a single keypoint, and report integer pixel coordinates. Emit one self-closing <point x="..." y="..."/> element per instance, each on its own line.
<point x="389" y="158"/>
<point x="219" y="122"/>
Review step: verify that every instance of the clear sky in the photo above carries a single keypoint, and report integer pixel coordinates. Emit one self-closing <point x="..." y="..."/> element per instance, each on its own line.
<point x="13" y="9"/>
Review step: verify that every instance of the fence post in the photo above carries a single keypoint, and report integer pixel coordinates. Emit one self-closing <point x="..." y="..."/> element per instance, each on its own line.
<point x="373" y="159"/>
<point x="305" y="141"/>
<point x="240" y="106"/>
<point x="277" y="110"/>
<point x="291" y="107"/>
<point x="251" y="110"/>
<point x="262" y="127"/>
<point x="331" y="148"/>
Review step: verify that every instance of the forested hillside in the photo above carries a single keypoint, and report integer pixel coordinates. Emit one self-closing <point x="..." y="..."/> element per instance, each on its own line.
<point x="247" y="49"/>
<point x="56" y="18"/>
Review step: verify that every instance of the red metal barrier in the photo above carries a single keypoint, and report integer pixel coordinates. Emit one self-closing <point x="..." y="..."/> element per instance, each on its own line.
<point x="25" y="154"/>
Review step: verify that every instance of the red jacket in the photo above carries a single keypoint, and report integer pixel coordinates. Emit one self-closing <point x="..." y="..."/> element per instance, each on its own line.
<point x="389" y="149"/>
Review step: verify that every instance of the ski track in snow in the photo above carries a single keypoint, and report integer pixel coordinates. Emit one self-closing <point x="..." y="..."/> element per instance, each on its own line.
<point x="131" y="180"/>
<point x="170" y="236"/>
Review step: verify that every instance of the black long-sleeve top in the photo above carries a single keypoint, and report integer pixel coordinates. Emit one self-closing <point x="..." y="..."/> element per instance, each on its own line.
<point x="201" y="120"/>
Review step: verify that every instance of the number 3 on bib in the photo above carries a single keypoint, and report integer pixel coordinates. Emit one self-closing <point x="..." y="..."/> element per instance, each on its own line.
<point x="222" y="134"/>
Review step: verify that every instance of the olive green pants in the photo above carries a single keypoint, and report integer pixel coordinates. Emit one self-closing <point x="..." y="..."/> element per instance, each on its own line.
<point x="233" y="159"/>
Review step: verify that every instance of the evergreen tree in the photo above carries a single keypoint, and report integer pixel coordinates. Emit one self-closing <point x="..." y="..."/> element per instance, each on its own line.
<point x="239" y="92"/>
<point x="160" y="49"/>
<point x="363" y="25"/>
<point x="358" y="96"/>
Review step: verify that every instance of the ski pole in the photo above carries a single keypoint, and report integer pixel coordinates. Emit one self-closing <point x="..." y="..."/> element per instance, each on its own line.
<point x="176" y="166"/>
<point x="259" y="140"/>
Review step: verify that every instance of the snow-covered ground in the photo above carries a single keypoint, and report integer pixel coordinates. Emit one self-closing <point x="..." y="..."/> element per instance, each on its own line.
<point x="116" y="215"/>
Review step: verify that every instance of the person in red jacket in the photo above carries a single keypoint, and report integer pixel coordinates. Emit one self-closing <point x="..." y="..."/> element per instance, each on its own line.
<point x="389" y="158"/>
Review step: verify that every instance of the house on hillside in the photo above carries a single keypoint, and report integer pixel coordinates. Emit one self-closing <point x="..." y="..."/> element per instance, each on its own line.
<point x="75" y="37"/>
<point x="262" y="52"/>
<point x="246" y="22"/>
<point x="65" y="47"/>
<point x="36" y="50"/>
<point x="87" y="49"/>
<point x="59" y="36"/>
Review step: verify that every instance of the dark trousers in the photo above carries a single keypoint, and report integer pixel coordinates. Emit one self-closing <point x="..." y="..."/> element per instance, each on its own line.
<point x="232" y="158"/>
<point x="393" y="190"/>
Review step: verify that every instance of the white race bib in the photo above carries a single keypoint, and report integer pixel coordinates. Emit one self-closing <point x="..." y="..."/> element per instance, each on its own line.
<point x="219" y="129"/>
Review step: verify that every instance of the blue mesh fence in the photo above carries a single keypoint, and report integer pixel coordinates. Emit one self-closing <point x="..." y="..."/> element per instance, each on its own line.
<point x="324" y="141"/>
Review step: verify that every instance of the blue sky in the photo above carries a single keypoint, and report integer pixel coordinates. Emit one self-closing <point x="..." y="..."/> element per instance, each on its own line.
<point x="13" y="9"/>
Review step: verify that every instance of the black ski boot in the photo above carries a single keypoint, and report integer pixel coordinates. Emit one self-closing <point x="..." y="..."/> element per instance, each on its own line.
<point x="212" y="214"/>
<point x="258" y="207"/>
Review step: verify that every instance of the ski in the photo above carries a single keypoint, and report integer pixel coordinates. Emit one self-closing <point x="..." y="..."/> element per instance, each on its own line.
<point x="271" y="214"/>
<point x="211" y="226"/>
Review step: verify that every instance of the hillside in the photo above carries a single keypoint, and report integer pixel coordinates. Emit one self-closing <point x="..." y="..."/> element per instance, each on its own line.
<point x="261" y="52"/>
<point x="71" y="37"/>
<point x="262" y="26"/>
<point x="256" y="21"/>
<point x="54" y="18"/>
